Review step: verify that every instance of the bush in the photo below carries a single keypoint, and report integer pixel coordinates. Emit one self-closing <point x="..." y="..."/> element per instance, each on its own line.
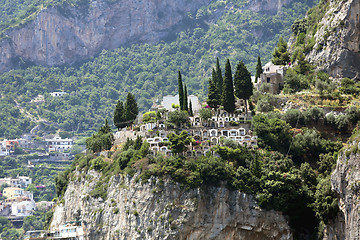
<point x="314" y="115"/>
<point x="294" y="117"/>
<point x="294" y="82"/>
<point x="266" y="103"/>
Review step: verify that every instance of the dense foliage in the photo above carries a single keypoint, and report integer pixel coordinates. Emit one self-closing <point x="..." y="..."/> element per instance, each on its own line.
<point x="147" y="70"/>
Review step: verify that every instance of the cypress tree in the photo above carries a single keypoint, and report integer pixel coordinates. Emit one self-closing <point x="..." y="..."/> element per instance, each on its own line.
<point x="131" y="109"/>
<point x="259" y="69"/>
<point x="219" y="78"/>
<point x="185" y="103"/>
<point x="213" y="97"/>
<point x="191" y="113"/>
<point x="181" y="91"/>
<point x="242" y="82"/>
<point x="228" y="98"/>
<point x="119" y="118"/>
<point x="281" y="56"/>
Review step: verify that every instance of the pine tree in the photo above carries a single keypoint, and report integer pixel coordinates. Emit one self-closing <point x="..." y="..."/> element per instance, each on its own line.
<point x="191" y="113"/>
<point x="119" y="118"/>
<point x="213" y="99"/>
<point x="228" y="98"/>
<point x="181" y="91"/>
<point x="259" y="69"/>
<point x="281" y="56"/>
<point x="219" y="78"/>
<point x="131" y="109"/>
<point x="242" y="82"/>
<point x="185" y="103"/>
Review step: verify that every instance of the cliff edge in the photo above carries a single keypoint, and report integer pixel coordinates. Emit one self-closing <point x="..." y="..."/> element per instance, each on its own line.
<point x="158" y="209"/>
<point x="337" y="40"/>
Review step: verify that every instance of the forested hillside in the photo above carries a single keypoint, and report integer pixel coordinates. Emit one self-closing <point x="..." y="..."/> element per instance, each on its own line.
<point x="223" y="29"/>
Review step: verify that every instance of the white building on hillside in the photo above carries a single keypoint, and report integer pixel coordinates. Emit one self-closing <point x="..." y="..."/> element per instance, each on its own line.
<point x="57" y="94"/>
<point x="58" y="144"/>
<point x="19" y="182"/>
<point x="23" y="208"/>
<point x="169" y="100"/>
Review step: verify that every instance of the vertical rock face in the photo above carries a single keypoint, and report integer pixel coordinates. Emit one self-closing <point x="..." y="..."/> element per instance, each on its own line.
<point x="337" y="48"/>
<point x="66" y="35"/>
<point x="162" y="210"/>
<point x="345" y="180"/>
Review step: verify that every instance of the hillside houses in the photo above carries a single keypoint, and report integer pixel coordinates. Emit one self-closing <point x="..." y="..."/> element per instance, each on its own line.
<point x="205" y="133"/>
<point x="273" y="75"/>
<point x="18" y="203"/>
<point x="19" y="182"/>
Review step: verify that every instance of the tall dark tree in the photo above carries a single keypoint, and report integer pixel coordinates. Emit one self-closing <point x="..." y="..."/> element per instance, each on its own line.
<point x="281" y="56"/>
<point x="259" y="69"/>
<point x="228" y="98"/>
<point x="191" y="113"/>
<point x="213" y="99"/>
<point x="102" y="140"/>
<point x="185" y="104"/>
<point x="131" y="109"/>
<point x="119" y="115"/>
<point x="219" y="78"/>
<point x="181" y="91"/>
<point x="243" y="84"/>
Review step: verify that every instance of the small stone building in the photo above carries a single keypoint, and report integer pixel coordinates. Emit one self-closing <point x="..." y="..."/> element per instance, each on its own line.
<point x="274" y="75"/>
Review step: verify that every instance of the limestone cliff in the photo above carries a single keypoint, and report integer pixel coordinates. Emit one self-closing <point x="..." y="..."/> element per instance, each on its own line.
<point x="337" y="40"/>
<point x="68" y="34"/>
<point x="160" y="209"/>
<point x="63" y="35"/>
<point x="345" y="180"/>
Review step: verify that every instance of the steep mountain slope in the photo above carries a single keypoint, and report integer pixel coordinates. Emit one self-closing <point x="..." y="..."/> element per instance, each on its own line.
<point x="238" y="30"/>
<point x="65" y="34"/>
<point x="161" y="210"/>
<point x="335" y="38"/>
<point x="345" y="181"/>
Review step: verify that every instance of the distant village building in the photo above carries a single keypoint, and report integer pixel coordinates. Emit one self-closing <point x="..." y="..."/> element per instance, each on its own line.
<point x="57" y="94"/>
<point x="14" y="192"/>
<point x="44" y="205"/>
<point x="19" y="182"/>
<point x="274" y="75"/>
<point x="7" y="147"/>
<point x="59" y="144"/>
<point x="3" y="150"/>
<point x="23" y="207"/>
<point x="169" y="100"/>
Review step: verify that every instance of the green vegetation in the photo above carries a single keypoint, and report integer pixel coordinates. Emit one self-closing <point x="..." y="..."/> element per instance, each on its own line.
<point x="259" y="69"/>
<point x="228" y="98"/>
<point x="281" y="56"/>
<point x="103" y="140"/>
<point x="149" y="71"/>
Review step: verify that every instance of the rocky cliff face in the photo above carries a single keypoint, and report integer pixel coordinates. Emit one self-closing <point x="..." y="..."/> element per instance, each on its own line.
<point x="66" y="35"/>
<point x="337" y="48"/>
<point x="345" y="180"/>
<point x="162" y="210"/>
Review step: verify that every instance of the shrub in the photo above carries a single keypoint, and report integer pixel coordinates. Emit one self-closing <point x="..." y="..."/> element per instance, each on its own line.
<point x="294" y="82"/>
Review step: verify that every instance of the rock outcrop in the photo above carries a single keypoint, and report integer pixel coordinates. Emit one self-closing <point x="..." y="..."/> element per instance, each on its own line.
<point x="345" y="180"/>
<point x="160" y="209"/>
<point x="64" y="35"/>
<point x="337" y="41"/>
